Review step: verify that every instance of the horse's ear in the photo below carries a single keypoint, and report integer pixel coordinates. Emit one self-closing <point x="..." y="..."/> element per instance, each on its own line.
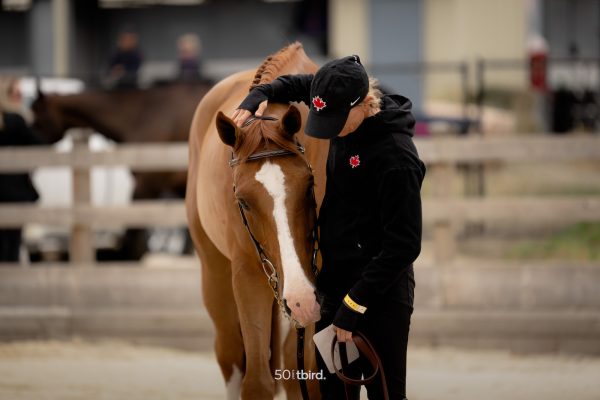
<point x="291" y="121"/>
<point x="227" y="129"/>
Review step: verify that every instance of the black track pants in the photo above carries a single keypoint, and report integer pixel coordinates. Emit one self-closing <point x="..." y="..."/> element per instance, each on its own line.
<point x="386" y="325"/>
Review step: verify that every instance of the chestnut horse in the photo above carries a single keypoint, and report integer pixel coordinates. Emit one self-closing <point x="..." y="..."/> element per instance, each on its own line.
<point x="271" y="185"/>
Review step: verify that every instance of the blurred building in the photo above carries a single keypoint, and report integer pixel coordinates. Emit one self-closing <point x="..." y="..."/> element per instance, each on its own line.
<point x="413" y="46"/>
<point x="77" y="38"/>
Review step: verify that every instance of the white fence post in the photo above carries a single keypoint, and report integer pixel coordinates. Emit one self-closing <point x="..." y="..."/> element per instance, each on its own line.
<point x="81" y="241"/>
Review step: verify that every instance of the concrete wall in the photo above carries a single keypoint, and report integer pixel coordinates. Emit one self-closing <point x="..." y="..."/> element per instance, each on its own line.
<point x="396" y="37"/>
<point x="569" y="22"/>
<point x="229" y="29"/>
<point x="140" y="305"/>
<point x="349" y="29"/>
<point x="13" y="29"/>
<point x="383" y="33"/>
<point x="41" y="44"/>
<point x="457" y="30"/>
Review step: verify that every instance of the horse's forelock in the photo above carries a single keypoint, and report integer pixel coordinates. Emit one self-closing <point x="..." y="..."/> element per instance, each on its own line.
<point x="259" y="135"/>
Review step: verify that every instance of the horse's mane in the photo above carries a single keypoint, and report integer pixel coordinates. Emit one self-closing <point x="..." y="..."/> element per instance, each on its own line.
<point x="264" y="131"/>
<point x="270" y="67"/>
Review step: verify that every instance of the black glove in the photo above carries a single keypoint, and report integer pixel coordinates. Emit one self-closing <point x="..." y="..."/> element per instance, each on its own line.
<point x="255" y="97"/>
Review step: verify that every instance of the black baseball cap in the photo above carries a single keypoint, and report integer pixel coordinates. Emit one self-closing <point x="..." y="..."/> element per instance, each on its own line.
<point x="337" y="86"/>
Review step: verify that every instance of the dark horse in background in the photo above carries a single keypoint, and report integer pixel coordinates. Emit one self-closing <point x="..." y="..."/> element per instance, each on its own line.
<point x="162" y="113"/>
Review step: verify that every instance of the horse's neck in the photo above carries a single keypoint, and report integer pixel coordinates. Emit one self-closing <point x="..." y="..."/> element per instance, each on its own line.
<point x="92" y="110"/>
<point x="299" y="63"/>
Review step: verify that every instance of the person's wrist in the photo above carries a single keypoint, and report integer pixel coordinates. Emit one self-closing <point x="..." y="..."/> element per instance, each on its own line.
<point x="346" y="318"/>
<point x="253" y="100"/>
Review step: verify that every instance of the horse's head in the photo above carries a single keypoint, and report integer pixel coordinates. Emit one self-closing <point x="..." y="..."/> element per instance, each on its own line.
<point x="48" y="121"/>
<point x="275" y="192"/>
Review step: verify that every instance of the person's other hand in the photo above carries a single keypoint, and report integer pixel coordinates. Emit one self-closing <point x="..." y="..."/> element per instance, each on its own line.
<point x="240" y="116"/>
<point x="342" y="335"/>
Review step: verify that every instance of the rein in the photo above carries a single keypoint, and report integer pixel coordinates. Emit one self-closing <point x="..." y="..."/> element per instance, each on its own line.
<point x="367" y="350"/>
<point x="267" y="265"/>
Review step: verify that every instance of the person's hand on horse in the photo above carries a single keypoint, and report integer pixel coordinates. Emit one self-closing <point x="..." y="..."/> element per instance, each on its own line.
<point x="240" y="115"/>
<point x="342" y="335"/>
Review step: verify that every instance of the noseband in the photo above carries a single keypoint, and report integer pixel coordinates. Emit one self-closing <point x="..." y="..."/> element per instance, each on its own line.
<point x="263" y="154"/>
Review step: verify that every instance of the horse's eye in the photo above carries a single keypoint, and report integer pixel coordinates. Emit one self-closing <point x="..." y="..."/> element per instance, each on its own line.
<point x="244" y="204"/>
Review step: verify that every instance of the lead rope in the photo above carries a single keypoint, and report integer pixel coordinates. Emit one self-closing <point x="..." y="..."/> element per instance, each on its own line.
<point x="368" y="351"/>
<point x="300" y="330"/>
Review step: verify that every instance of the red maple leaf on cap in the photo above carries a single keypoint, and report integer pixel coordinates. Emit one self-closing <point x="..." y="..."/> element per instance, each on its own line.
<point x="354" y="161"/>
<point x="318" y="103"/>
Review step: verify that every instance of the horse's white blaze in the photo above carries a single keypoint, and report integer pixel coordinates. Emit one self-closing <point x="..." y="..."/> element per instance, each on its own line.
<point x="234" y="384"/>
<point x="296" y="283"/>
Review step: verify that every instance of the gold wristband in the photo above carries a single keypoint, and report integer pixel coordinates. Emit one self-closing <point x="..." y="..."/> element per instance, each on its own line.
<point x="354" y="305"/>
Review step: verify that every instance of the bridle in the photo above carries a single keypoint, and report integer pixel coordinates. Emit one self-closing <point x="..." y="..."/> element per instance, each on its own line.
<point x="267" y="265"/>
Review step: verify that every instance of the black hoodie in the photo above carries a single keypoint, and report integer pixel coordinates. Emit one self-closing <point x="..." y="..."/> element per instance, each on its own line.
<point x="370" y="219"/>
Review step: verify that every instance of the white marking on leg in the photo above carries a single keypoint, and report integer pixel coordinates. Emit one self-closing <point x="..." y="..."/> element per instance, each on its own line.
<point x="272" y="178"/>
<point x="234" y="384"/>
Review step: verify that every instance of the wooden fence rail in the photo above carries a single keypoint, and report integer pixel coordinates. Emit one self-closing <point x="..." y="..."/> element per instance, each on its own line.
<point x="169" y="156"/>
<point x="443" y="209"/>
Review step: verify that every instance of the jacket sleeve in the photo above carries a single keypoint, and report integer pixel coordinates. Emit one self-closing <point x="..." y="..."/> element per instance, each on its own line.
<point x="288" y="88"/>
<point x="284" y="89"/>
<point x="399" y="202"/>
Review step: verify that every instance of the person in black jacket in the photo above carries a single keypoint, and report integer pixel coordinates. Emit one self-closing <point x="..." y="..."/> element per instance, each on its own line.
<point x="370" y="220"/>
<point x="14" y="188"/>
<point x="126" y="61"/>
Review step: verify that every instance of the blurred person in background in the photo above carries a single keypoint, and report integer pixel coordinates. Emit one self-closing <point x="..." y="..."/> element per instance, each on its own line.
<point x="189" y="49"/>
<point x="14" y="187"/>
<point x="11" y="98"/>
<point x="126" y="61"/>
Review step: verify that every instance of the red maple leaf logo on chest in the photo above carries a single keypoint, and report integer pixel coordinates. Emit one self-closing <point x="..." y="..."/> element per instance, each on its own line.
<point x="354" y="161"/>
<point x="318" y="103"/>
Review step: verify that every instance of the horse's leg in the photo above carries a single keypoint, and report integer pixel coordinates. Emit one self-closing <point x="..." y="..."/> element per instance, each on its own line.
<point x="310" y="362"/>
<point x="220" y="303"/>
<point x="290" y="362"/>
<point x="255" y="305"/>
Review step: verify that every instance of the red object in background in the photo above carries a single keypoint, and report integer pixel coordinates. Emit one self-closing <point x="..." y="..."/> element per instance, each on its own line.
<point x="421" y="129"/>
<point x="538" y="66"/>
